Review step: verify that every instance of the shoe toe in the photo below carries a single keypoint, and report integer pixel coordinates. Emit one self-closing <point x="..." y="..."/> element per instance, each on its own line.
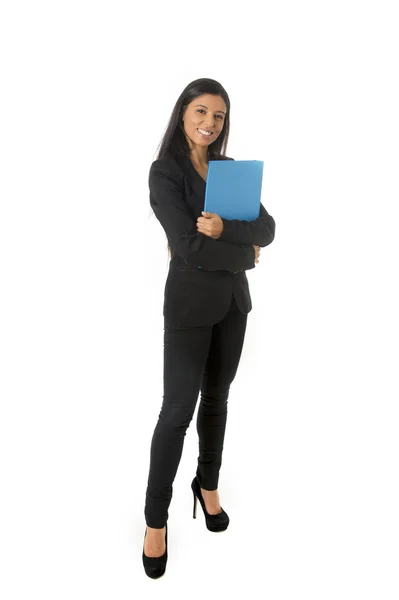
<point x="155" y="573"/>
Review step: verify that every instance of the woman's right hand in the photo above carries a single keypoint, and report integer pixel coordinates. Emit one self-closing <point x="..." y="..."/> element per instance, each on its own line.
<point x="257" y="253"/>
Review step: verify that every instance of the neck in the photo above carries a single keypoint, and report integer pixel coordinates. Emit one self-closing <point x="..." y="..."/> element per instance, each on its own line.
<point x="199" y="156"/>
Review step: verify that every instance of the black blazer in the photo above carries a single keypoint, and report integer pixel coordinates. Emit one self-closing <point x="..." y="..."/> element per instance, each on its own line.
<point x="193" y="296"/>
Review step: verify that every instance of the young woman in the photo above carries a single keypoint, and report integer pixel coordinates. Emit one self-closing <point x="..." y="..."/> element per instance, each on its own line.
<point x="205" y="309"/>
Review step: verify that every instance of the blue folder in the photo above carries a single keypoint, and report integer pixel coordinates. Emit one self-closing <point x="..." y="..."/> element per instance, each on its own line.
<point x="233" y="189"/>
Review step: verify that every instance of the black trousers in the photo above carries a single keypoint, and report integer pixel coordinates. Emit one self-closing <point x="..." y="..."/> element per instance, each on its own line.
<point x="195" y="359"/>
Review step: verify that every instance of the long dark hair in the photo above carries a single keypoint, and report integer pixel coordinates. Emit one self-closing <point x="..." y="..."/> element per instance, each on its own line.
<point x="174" y="140"/>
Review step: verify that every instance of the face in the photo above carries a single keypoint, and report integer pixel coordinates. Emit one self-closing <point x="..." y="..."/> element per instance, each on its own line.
<point x="206" y="113"/>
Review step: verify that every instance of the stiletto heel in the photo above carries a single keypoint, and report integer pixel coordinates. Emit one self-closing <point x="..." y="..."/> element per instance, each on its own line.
<point x="155" y="566"/>
<point x="195" y="506"/>
<point x="217" y="522"/>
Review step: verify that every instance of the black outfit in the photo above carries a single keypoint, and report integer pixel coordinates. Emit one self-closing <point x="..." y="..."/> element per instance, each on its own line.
<point x="205" y="314"/>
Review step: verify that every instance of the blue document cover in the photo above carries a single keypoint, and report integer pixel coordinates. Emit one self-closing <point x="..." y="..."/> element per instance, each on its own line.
<point x="233" y="188"/>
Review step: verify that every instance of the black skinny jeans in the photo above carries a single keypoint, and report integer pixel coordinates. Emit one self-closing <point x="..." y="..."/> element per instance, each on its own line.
<point x="195" y="358"/>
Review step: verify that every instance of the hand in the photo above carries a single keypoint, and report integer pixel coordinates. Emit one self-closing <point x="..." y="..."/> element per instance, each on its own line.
<point x="210" y="224"/>
<point x="257" y="252"/>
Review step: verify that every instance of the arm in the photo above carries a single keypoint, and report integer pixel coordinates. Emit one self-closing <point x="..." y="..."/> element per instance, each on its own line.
<point x="259" y="232"/>
<point x="167" y="202"/>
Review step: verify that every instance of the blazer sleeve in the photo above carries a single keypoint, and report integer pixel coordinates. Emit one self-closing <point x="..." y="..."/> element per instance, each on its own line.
<point x="197" y="249"/>
<point x="259" y="232"/>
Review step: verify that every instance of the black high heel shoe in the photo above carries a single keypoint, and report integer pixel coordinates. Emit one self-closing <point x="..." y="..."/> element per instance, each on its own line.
<point x="155" y="566"/>
<point x="217" y="522"/>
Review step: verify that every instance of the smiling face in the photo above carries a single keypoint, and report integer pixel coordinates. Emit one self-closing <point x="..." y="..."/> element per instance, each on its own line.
<point x="205" y="113"/>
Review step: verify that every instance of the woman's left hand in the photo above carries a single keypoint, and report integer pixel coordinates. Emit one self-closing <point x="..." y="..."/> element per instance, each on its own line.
<point x="210" y="224"/>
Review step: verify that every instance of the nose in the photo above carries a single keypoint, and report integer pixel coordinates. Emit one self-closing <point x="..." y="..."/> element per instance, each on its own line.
<point x="209" y="122"/>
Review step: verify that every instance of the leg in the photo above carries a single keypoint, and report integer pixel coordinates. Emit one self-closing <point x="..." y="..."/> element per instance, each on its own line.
<point x="220" y="370"/>
<point x="185" y="353"/>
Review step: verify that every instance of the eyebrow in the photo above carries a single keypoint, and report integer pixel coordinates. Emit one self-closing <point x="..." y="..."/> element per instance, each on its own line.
<point x="222" y="111"/>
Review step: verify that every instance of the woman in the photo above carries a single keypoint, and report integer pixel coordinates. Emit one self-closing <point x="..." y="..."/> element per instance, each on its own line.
<point x="205" y="309"/>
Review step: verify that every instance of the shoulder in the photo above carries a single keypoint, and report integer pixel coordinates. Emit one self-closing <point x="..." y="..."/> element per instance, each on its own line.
<point x="167" y="164"/>
<point x="167" y="173"/>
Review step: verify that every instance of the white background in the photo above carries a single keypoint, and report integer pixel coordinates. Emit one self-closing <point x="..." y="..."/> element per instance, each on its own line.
<point x="310" y="464"/>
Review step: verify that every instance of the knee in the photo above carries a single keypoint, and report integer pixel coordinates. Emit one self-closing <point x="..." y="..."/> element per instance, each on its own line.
<point x="175" y="418"/>
<point x="212" y="393"/>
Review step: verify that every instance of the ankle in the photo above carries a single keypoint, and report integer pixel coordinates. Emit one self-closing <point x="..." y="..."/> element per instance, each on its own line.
<point x="156" y="529"/>
<point x="209" y="493"/>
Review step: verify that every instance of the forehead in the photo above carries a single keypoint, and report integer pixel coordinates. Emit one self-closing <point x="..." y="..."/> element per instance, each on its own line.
<point x="212" y="102"/>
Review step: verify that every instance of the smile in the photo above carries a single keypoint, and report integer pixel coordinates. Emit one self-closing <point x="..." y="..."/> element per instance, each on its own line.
<point x="205" y="133"/>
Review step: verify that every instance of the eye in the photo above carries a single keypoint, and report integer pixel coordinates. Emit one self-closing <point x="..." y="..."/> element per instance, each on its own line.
<point x="202" y="110"/>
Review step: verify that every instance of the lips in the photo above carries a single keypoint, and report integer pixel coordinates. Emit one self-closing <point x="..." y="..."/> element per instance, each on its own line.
<point x="207" y="130"/>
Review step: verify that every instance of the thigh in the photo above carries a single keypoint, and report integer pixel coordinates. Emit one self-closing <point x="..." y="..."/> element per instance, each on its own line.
<point x="225" y="351"/>
<point x="185" y="354"/>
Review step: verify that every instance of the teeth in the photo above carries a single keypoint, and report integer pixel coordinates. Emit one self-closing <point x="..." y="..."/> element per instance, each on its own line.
<point x="204" y="132"/>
